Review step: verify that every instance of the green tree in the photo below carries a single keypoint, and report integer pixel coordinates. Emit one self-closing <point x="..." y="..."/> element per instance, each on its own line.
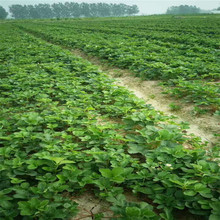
<point x="71" y="10"/>
<point x="57" y="9"/>
<point x="103" y="10"/>
<point x="44" y="11"/>
<point x="183" y="9"/>
<point x="33" y="12"/>
<point x="118" y="10"/>
<point x="132" y="10"/>
<point x="3" y="13"/>
<point x="74" y="9"/>
<point x="19" y="11"/>
<point x="85" y="10"/>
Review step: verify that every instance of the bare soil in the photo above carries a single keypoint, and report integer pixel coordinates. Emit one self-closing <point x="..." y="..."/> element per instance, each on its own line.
<point x="89" y="206"/>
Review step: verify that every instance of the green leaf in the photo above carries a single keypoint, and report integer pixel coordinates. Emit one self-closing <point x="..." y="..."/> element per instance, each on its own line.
<point x="190" y="193"/>
<point x="148" y="213"/>
<point x="119" y="200"/>
<point x="106" y="173"/>
<point x="118" y="179"/>
<point x="215" y="206"/>
<point x="60" y="160"/>
<point x="117" y="171"/>
<point x="66" y="162"/>
<point x="133" y="212"/>
<point x="165" y="135"/>
<point x="214" y="217"/>
<point x="25" y="209"/>
<point x="43" y="205"/>
<point x="16" y="180"/>
<point x="6" y="204"/>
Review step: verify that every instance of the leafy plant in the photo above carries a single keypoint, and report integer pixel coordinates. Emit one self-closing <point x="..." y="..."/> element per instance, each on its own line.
<point x="174" y="107"/>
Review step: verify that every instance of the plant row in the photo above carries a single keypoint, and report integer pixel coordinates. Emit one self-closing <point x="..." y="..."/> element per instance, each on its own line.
<point x="149" y="58"/>
<point x="190" y="59"/>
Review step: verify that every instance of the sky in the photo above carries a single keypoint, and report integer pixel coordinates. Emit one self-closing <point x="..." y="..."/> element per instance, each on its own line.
<point x="145" y="6"/>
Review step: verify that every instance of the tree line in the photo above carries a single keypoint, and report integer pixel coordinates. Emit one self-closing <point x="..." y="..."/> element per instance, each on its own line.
<point x="3" y="13"/>
<point x="70" y="10"/>
<point x="183" y="9"/>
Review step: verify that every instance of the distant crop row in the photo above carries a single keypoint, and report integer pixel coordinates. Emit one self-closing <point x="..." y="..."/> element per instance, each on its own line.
<point x="184" y="50"/>
<point x="57" y="141"/>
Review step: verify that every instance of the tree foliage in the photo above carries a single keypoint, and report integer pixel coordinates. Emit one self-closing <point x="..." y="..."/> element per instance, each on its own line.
<point x="71" y="10"/>
<point x="183" y="9"/>
<point x="3" y="13"/>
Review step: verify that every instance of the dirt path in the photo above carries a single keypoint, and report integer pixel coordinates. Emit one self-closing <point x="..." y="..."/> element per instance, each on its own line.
<point x="203" y="126"/>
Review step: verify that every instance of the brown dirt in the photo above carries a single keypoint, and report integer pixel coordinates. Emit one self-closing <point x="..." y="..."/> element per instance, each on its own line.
<point x="89" y="206"/>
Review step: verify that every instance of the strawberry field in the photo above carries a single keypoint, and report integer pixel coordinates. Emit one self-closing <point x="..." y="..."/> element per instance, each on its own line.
<point x="66" y="128"/>
<point x="183" y="52"/>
